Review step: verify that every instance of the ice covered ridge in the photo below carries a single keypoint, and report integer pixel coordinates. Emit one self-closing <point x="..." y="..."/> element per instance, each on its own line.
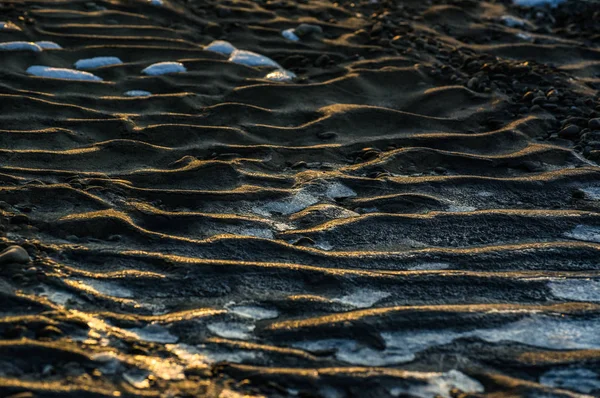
<point x="281" y="75"/>
<point x="96" y="62"/>
<point x="137" y="93"/>
<point x="163" y="68"/>
<point x="537" y="3"/>
<point x="20" y="46"/>
<point x="221" y="47"/>
<point x="48" y="45"/>
<point x="29" y="46"/>
<point x="250" y="58"/>
<point x="61" y="73"/>
<point x="290" y="35"/>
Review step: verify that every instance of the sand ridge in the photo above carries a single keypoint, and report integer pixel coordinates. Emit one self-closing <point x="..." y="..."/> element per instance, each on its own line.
<point x="399" y="201"/>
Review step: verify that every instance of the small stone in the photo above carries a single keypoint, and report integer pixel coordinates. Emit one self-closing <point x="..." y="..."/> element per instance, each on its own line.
<point x="326" y="135"/>
<point x="473" y="83"/>
<point x="535" y="108"/>
<point x="322" y="61"/>
<point x="538" y="100"/>
<point x="307" y="29"/>
<point x="594" y="124"/>
<point x="14" y="254"/>
<point x="571" y="131"/>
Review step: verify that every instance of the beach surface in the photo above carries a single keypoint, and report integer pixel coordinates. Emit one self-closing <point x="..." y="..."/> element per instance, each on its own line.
<point x="367" y="198"/>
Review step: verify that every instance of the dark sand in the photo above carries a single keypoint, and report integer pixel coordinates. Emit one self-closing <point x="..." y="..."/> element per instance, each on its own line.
<point x="416" y="214"/>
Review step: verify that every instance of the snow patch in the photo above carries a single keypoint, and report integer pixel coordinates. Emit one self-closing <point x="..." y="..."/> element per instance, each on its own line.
<point x="138" y="378"/>
<point x="524" y="36"/>
<point x="137" y="93"/>
<point x="163" y="68"/>
<point x="362" y="298"/>
<point x="96" y="62"/>
<point x="339" y="190"/>
<point x="460" y="209"/>
<point x="255" y="232"/>
<point x="353" y="353"/>
<point x="539" y="331"/>
<point x="585" y="232"/>
<point x="61" y="73"/>
<point x="576" y="289"/>
<point x="58" y="297"/>
<point x="513" y="22"/>
<point x="253" y="312"/>
<point x="440" y="384"/>
<point x="538" y="3"/>
<point x="221" y="47"/>
<point x="592" y="192"/>
<point x="294" y="204"/>
<point x="430" y="266"/>
<point x="193" y="356"/>
<point x="290" y="35"/>
<point x="105" y="288"/>
<point x="20" y="46"/>
<point x="154" y="333"/>
<point x="48" y="45"/>
<point x="250" y="58"/>
<point x="230" y="330"/>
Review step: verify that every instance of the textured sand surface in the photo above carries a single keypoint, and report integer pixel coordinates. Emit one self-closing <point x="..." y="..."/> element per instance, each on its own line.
<point x="408" y="207"/>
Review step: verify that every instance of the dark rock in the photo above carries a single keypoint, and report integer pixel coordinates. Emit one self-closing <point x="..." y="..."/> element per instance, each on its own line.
<point x="307" y="30"/>
<point x="569" y="132"/>
<point x="322" y="60"/>
<point x="326" y="135"/>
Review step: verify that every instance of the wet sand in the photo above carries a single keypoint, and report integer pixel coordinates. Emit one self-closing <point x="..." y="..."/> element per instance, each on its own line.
<point x="412" y="212"/>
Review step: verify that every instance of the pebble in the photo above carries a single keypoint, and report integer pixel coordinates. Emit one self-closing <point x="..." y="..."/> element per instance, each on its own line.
<point x="570" y="131"/>
<point x="97" y="62"/>
<point x="322" y="60"/>
<point x="14" y="254"/>
<point x="307" y="29"/>
<point x="326" y="135"/>
<point x="594" y="124"/>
